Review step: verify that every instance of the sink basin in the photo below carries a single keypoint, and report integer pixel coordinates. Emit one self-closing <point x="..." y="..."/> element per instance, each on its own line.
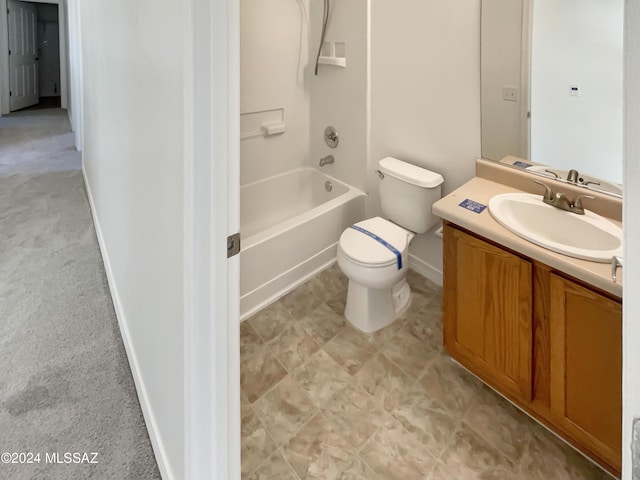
<point x="602" y="185"/>
<point x="588" y="236"/>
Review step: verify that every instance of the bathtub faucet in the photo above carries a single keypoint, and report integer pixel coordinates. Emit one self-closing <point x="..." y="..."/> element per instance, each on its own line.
<point x="326" y="160"/>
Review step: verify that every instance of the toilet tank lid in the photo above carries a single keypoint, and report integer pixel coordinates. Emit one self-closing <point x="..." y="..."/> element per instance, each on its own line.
<point x="410" y="173"/>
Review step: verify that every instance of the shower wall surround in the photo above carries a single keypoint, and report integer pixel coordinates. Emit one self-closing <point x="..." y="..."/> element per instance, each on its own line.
<point x="410" y="89"/>
<point x="339" y="95"/>
<point x="273" y="40"/>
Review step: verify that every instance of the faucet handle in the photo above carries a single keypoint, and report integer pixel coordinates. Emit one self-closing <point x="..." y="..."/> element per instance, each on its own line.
<point x="548" y="193"/>
<point x="577" y="202"/>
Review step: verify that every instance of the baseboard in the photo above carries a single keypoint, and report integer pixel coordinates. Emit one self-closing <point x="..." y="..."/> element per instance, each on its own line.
<point x="147" y="412"/>
<point x="425" y="269"/>
<point x="76" y="134"/>
<point x="70" y="117"/>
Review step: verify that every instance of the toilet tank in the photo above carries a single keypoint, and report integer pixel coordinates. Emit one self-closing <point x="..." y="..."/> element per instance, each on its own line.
<point x="407" y="193"/>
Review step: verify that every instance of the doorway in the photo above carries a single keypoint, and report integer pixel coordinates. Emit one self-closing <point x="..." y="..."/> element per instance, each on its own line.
<point x="33" y="55"/>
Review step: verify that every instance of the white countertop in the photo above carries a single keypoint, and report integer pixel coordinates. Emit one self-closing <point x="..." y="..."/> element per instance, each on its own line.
<point x="481" y="190"/>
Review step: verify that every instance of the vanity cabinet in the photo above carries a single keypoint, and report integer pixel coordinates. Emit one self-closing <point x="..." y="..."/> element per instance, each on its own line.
<point x="492" y="309"/>
<point x="549" y="343"/>
<point x="586" y="366"/>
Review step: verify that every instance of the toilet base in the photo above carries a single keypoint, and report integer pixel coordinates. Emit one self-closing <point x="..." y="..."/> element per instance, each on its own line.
<point x="370" y="309"/>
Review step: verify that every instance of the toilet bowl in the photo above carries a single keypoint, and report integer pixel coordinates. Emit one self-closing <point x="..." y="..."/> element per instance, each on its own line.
<point x="378" y="291"/>
<point x="373" y="254"/>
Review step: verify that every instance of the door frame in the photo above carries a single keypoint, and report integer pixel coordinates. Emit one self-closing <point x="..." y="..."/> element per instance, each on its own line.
<point x="211" y="213"/>
<point x="4" y="54"/>
<point x="631" y="270"/>
<point x="75" y="72"/>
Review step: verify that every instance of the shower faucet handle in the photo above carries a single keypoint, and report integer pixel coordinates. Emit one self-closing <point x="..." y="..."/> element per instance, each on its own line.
<point x="331" y="137"/>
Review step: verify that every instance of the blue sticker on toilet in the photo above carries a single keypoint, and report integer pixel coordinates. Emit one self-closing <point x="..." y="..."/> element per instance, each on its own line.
<point x="473" y="206"/>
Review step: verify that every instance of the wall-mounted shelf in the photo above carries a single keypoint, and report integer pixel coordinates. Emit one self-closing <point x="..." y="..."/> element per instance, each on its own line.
<point x="262" y="123"/>
<point x="333" y="53"/>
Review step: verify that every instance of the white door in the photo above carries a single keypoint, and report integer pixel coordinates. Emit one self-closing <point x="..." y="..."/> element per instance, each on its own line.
<point x="23" y="55"/>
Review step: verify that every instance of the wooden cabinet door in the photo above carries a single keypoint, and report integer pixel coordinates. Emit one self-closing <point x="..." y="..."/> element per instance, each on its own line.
<point x="586" y="367"/>
<point x="488" y="312"/>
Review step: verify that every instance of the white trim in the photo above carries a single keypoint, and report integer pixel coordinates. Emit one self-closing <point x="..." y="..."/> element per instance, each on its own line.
<point x="75" y="72"/>
<point x="631" y="270"/>
<point x="525" y="79"/>
<point x="425" y="269"/>
<point x="147" y="412"/>
<point x="5" y="107"/>
<point x="211" y="175"/>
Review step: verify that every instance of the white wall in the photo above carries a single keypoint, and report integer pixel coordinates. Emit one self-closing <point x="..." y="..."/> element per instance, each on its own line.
<point x="133" y="161"/>
<point x="588" y="127"/>
<point x="273" y="33"/>
<point x="631" y="270"/>
<point x="500" y="63"/>
<point x="339" y="95"/>
<point x="425" y="95"/>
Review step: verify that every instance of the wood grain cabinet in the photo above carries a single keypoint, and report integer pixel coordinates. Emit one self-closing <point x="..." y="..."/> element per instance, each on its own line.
<point x="586" y="366"/>
<point x="549" y="343"/>
<point x="489" y="296"/>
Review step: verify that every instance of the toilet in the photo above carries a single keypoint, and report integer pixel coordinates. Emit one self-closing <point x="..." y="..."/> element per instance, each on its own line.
<point x="374" y="253"/>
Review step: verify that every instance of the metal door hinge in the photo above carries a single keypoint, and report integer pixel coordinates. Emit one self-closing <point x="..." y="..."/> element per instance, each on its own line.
<point x="233" y="245"/>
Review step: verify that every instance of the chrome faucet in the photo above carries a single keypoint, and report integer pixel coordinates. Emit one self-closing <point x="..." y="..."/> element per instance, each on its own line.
<point x="572" y="176"/>
<point x="326" y="160"/>
<point x="560" y="200"/>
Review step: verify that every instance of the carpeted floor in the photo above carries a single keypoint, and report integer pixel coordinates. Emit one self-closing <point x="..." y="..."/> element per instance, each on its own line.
<point x="65" y="384"/>
<point x="37" y="141"/>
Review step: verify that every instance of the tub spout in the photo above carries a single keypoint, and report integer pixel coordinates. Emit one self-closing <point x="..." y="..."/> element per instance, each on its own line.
<point x="326" y="160"/>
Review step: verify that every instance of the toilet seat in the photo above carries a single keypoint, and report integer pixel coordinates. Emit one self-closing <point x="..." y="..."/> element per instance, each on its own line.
<point x="366" y="251"/>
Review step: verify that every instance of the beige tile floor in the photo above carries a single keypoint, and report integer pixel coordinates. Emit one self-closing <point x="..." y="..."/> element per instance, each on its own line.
<point x="321" y="400"/>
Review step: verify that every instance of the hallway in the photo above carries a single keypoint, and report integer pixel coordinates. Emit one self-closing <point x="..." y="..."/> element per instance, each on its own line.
<point x="65" y="385"/>
<point x="37" y="141"/>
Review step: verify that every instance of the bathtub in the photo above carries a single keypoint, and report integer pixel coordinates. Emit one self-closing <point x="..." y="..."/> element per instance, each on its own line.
<point x="290" y="226"/>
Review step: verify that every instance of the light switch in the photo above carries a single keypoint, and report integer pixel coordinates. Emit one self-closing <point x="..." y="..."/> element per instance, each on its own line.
<point x="574" y="89"/>
<point x="510" y="94"/>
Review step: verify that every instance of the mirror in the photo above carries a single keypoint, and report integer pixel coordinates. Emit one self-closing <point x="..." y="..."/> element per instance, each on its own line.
<point x="551" y="88"/>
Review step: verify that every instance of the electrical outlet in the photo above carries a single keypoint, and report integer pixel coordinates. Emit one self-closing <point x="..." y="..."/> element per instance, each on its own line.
<point x="510" y="94"/>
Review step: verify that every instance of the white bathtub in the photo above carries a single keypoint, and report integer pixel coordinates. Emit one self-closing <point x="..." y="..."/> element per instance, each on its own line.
<point x="290" y="227"/>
